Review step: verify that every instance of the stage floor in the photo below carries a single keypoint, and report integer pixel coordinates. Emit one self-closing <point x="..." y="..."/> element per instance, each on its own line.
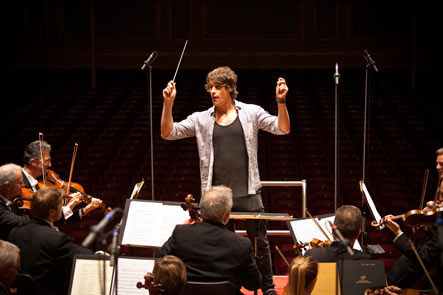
<point x="279" y="281"/>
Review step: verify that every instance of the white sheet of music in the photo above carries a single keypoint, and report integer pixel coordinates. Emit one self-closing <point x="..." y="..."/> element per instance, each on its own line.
<point x="305" y="230"/>
<point x="140" y="224"/>
<point x="173" y="215"/>
<point x="370" y="203"/>
<point x="131" y="271"/>
<point x="88" y="277"/>
<point x="151" y="223"/>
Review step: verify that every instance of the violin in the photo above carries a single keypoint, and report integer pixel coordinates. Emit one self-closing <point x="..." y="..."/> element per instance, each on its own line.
<point x="193" y="211"/>
<point x="154" y="289"/>
<point x="21" y="206"/>
<point x="53" y="179"/>
<point x="314" y="243"/>
<point x="414" y="218"/>
<point x="402" y="292"/>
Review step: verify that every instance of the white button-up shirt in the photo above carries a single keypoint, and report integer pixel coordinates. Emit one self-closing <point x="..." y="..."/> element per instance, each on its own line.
<point x="201" y="125"/>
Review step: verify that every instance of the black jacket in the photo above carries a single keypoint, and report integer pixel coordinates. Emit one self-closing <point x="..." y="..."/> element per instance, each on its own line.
<point x="213" y="253"/>
<point x="46" y="254"/>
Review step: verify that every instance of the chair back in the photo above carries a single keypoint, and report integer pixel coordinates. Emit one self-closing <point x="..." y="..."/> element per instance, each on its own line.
<point x="24" y="284"/>
<point x="210" y="288"/>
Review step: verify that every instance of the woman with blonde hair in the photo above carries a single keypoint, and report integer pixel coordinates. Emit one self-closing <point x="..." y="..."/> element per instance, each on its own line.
<point x="167" y="278"/>
<point x="302" y="276"/>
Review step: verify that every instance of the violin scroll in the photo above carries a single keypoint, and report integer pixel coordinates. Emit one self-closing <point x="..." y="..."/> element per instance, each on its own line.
<point x="154" y="289"/>
<point x="193" y="211"/>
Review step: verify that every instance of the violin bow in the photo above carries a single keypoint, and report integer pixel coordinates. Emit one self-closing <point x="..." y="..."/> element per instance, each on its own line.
<point x="317" y="224"/>
<point x="423" y="266"/>
<point x="74" y="154"/>
<point x="40" y="136"/>
<point x="281" y="254"/>
<point x="423" y="192"/>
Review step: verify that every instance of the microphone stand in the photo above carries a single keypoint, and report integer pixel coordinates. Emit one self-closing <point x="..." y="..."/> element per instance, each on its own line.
<point x="369" y="63"/>
<point x="148" y="63"/>
<point x="114" y="250"/>
<point x="150" y="131"/>
<point x="102" y="239"/>
<point x="336" y="182"/>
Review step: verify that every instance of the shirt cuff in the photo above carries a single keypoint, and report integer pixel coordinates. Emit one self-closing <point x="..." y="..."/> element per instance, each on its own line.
<point x="398" y="236"/>
<point x="67" y="212"/>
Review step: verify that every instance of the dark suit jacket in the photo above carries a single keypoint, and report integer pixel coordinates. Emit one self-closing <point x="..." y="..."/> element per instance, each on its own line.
<point x="3" y="290"/>
<point x="213" y="253"/>
<point x="427" y="249"/>
<point x="9" y="219"/>
<point x="46" y="254"/>
<point x="330" y="254"/>
<point x="406" y="270"/>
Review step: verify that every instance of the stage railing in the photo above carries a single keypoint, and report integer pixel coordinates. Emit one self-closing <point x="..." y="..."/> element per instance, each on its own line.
<point x="301" y="183"/>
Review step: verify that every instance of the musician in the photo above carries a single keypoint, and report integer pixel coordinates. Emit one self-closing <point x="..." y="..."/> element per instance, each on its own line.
<point x="209" y="250"/>
<point x="406" y="270"/>
<point x="348" y="220"/>
<point x="169" y="276"/>
<point x="46" y="254"/>
<point x="9" y="265"/>
<point x="302" y="276"/>
<point x="11" y="182"/>
<point x="33" y="169"/>
<point x="227" y="140"/>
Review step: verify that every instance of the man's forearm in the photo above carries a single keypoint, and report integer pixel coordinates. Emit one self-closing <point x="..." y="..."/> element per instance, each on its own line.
<point x="167" y="121"/>
<point x="283" y="119"/>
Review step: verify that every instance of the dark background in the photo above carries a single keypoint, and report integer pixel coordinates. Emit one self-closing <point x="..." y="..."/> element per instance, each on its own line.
<point x="71" y="69"/>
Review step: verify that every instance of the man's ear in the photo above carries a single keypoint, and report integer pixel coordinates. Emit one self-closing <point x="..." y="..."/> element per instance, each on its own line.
<point x="52" y="213"/>
<point x="226" y="217"/>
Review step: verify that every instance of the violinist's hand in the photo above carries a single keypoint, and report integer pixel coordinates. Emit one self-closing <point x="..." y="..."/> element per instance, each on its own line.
<point x="393" y="226"/>
<point x="95" y="203"/>
<point x="432" y="206"/>
<point x="392" y="290"/>
<point x="169" y="92"/>
<point x="281" y="89"/>
<point x="76" y="199"/>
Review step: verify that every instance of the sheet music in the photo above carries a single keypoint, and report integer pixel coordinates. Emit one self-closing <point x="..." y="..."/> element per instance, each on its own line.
<point x="172" y="215"/>
<point x="141" y="217"/>
<point x="136" y="189"/>
<point x="131" y="271"/>
<point x="305" y="230"/>
<point x="370" y="204"/>
<point x="88" y="277"/>
<point x="151" y="223"/>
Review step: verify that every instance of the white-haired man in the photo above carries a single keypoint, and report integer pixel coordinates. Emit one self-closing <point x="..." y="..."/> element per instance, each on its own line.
<point x="209" y="250"/>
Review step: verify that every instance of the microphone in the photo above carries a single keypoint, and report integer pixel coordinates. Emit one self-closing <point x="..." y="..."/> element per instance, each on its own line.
<point x="150" y="60"/>
<point x="113" y="249"/>
<point x="97" y="230"/>
<point x="336" y="75"/>
<point x="338" y="234"/>
<point x="369" y="60"/>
